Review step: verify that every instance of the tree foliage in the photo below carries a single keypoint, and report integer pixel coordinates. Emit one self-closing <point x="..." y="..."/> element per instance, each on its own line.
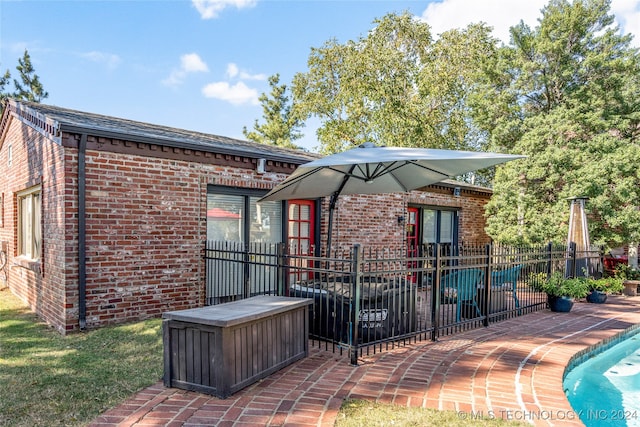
<point x="567" y="95"/>
<point x="396" y="86"/>
<point x="28" y="88"/>
<point x="4" y="81"/>
<point x="281" y="126"/>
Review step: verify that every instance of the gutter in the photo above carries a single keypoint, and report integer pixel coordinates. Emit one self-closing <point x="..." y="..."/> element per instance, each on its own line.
<point x="82" y="234"/>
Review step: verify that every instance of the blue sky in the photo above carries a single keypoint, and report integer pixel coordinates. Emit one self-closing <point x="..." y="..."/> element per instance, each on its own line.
<point x="201" y="64"/>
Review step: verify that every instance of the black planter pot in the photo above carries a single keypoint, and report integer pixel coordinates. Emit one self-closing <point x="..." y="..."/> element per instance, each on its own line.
<point x="560" y="304"/>
<point x="596" y="297"/>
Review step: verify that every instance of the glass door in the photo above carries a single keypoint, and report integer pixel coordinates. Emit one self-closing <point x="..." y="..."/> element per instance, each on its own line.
<point x="301" y="238"/>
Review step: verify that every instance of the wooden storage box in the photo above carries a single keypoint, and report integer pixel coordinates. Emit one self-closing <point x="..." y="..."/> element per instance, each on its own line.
<point x="223" y="348"/>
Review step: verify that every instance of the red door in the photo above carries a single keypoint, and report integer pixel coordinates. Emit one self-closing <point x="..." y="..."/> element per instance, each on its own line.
<point x="301" y="237"/>
<point x="413" y="233"/>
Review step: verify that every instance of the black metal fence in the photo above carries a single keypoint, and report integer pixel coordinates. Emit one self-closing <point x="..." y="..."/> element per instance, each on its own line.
<point x="370" y="300"/>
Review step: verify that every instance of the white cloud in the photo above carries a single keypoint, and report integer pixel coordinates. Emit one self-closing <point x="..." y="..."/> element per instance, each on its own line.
<point x="109" y="59"/>
<point x="237" y="94"/>
<point x="499" y="14"/>
<point x="502" y="14"/>
<point x="192" y="63"/>
<point x="628" y="16"/>
<point x="210" y="9"/>
<point x="189" y="63"/>
<point x="233" y="71"/>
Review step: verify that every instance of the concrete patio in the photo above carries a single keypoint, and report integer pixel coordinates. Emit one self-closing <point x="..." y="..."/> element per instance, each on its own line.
<point x="512" y="369"/>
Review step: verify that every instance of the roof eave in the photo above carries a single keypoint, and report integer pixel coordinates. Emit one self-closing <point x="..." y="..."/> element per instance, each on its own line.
<point x="174" y="143"/>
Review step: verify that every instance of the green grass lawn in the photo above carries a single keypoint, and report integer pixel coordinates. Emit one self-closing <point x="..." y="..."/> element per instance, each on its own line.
<point x="361" y="413"/>
<point x="52" y="380"/>
<point x="47" y="379"/>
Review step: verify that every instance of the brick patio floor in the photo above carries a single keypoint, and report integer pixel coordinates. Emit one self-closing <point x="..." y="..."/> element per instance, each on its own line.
<point x="512" y="369"/>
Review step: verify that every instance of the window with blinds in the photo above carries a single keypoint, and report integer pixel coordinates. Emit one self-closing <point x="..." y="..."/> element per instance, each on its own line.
<point x="239" y="218"/>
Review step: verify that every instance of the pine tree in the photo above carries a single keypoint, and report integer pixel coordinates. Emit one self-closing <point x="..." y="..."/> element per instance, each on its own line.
<point x="565" y="94"/>
<point x="4" y="81"/>
<point x="281" y="126"/>
<point x="30" y="89"/>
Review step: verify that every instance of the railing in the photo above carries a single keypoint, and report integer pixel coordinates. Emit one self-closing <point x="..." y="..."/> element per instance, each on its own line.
<point x="371" y="300"/>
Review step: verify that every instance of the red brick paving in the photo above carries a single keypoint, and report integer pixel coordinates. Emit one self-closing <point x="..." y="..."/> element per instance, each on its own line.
<point x="512" y="369"/>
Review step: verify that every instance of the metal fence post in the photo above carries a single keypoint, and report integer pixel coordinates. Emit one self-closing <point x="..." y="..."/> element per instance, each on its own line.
<point x="246" y="276"/>
<point x="355" y="304"/>
<point x="435" y="296"/>
<point x="572" y="255"/>
<point x="487" y="286"/>
<point x="282" y="288"/>
<point x="549" y="258"/>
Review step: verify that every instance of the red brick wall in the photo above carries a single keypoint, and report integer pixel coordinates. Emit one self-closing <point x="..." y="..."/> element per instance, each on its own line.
<point x="40" y="284"/>
<point x="372" y="220"/>
<point x="146" y="226"/>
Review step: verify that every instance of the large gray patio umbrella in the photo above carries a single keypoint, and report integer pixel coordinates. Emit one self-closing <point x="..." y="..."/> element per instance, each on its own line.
<point x="370" y="169"/>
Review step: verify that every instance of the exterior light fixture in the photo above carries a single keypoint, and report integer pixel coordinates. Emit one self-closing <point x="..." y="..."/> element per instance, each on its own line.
<point x="261" y="166"/>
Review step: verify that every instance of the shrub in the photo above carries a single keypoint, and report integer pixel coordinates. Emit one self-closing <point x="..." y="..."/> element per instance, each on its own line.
<point x="624" y="272"/>
<point x="559" y="286"/>
<point x="609" y="285"/>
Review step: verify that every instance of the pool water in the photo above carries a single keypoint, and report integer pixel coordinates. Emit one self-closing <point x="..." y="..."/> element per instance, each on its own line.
<point x="604" y="390"/>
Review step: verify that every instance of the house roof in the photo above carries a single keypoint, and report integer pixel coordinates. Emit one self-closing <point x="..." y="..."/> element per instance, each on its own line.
<point x="54" y="120"/>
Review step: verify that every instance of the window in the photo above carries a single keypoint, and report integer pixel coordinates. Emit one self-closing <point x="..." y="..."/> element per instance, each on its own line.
<point x="439" y="226"/>
<point x="235" y="216"/>
<point x="29" y="234"/>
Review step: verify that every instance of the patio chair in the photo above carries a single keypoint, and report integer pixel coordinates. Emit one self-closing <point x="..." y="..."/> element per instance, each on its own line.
<point x="464" y="284"/>
<point x="507" y="279"/>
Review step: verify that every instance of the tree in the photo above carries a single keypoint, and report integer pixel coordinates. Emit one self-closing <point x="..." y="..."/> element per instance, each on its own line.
<point x="395" y="87"/>
<point x="30" y="89"/>
<point x="566" y="95"/>
<point x="281" y="125"/>
<point x="4" y="81"/>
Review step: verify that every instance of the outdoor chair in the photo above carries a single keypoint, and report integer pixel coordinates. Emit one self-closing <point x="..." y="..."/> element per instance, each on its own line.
<point x="507" y="280"/>
<point x="463" y="286"/>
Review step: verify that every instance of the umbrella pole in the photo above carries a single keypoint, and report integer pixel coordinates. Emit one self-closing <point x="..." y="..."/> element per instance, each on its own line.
<point x="332" y="206"/>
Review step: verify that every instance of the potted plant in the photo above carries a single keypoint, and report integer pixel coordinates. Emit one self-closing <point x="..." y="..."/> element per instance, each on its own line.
<point x="600" y="288"/>
<point x="630" y="279"/>
<point x="561" y="291"/>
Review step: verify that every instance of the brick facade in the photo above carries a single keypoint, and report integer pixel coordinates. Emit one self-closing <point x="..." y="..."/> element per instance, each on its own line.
<point x="372" y="220"/>
<point x="35" y="162"/>
<point x="145" y="221"/>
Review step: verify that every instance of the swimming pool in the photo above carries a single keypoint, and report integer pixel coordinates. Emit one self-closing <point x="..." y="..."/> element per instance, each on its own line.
<point x="603" y="385"/>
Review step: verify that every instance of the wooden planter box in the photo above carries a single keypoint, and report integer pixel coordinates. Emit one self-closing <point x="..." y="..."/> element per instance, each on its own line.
<point x="223" y="348"/>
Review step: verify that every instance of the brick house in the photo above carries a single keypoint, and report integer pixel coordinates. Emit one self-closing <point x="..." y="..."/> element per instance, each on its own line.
<point x="104" y="219"/>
